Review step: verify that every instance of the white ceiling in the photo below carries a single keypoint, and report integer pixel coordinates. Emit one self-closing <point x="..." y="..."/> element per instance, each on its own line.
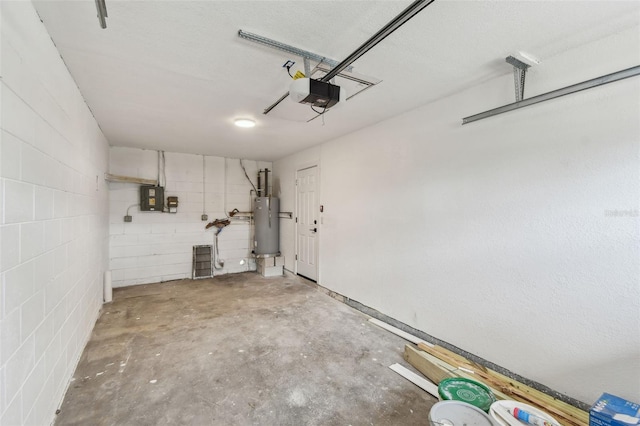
<point x="173" y="75"/>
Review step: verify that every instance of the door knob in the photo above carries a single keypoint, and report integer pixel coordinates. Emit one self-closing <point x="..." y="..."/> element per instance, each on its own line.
<point x="314" y="229"/>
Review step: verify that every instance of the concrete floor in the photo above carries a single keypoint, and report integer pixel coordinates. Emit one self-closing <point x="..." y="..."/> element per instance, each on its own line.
<point x="239" y="349"/>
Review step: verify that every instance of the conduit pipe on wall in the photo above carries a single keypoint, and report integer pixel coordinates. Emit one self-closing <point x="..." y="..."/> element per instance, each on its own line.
<point x="224" y="185"/>
<point x="108" y="289"/>
<point x="204" y="187"/>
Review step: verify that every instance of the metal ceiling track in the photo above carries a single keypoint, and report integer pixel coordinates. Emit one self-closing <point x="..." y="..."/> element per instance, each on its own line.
<point x="412" y="10"/>
<point x="305" y="54"/>
<point x="589" y="84"/>
<point x="286" y="48"/>
<point x="102" y="13"/>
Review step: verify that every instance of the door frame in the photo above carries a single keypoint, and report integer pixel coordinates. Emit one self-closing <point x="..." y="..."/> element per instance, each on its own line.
<point x="299" y="168"/>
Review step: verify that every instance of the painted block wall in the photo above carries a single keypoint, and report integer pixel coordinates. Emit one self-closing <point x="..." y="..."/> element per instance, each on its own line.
<point x="54" y="220"/>
<point x="156" y="246"/>
<point x="515" y="238"/>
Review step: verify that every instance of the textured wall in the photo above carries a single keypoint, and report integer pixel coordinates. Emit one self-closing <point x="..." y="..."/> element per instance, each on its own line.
<point x="54" y="220"/>
<point x="284" y="174"/>
<point x="515" y="238"/>
<point x="158" y="246"/>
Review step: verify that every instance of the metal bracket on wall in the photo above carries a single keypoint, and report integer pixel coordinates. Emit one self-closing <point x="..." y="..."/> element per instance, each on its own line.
<point x="519" y="74"/>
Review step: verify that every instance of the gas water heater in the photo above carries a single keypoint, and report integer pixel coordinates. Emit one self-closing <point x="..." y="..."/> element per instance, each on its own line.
<point x="266" y="213"/>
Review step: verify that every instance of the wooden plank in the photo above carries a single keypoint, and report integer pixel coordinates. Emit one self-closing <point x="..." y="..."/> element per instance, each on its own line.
<point x="128" y="179"/>
<point x="452" y="358"/>
<point x="503" y="390"/>
<point x="535" y="395"/>
<point x="436" y="370"/>
<point x="458" y="357"/>
<point x="398" y="332"/>
<point x="431" y="370"/>
<point x="421" y="382"/>
<point x="519" y="388"/>
<point x="550" y="408"/>
<point x="468" y="369"/>
<point x="510" y="389"/>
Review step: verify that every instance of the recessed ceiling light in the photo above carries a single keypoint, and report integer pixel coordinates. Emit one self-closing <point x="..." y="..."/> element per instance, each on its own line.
<point x="244" y="122"/>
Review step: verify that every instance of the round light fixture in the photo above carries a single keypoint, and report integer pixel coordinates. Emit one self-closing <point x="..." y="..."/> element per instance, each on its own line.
<point x="244" y="122"/>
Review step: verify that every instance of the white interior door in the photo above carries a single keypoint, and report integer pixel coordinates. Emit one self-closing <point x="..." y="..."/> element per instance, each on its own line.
<point x="307" y="225"/>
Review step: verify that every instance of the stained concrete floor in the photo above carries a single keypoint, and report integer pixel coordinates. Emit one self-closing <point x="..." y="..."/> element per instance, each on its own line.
<point x="239" y="350"/>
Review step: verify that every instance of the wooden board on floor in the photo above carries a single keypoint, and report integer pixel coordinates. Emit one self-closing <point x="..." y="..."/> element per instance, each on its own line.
<point x="436" y="370"/>
<point x="421" y="382"/>
<point x="431" y="370"/>
<point x="503" y="386"/>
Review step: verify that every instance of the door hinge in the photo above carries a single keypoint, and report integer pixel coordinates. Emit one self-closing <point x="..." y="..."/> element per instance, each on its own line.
<point x="296" y="257"/>
<point x="296" y="220"/>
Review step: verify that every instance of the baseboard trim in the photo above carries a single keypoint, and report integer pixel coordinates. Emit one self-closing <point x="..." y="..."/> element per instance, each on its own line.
<point x="434" y="340"/>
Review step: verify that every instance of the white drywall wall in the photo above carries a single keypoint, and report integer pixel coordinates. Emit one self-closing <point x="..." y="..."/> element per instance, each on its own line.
<point x="515" y="238"/>
<point x="156" y="246"/>
<point x="284" y="188"/>
<point x="53" y="224"/>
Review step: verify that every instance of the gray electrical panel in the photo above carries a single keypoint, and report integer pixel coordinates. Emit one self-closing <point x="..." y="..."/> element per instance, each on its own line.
<point x="267" y="227"/>
<point x="151" y="198"/>
<point x="202" y="262"/>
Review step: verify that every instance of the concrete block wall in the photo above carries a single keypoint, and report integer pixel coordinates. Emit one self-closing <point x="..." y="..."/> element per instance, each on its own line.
<point x="53" y="221"/>
<point x="156" y="246"/>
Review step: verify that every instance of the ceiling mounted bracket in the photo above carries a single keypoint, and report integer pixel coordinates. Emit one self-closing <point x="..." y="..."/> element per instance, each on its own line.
<point x="304" y="54"/>
<point x="307" y="67"/>
<point x="274" y="44"/>
<point x="412" y="10"/>
<point x="519" y="75"/>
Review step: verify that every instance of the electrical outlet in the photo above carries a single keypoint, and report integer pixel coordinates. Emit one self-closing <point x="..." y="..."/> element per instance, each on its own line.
<point x="204" y="217"/>
<point x="128" y="218"/>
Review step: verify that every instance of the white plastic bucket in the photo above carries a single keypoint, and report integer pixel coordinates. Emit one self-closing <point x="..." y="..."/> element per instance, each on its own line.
<point x="458" y="413"/>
